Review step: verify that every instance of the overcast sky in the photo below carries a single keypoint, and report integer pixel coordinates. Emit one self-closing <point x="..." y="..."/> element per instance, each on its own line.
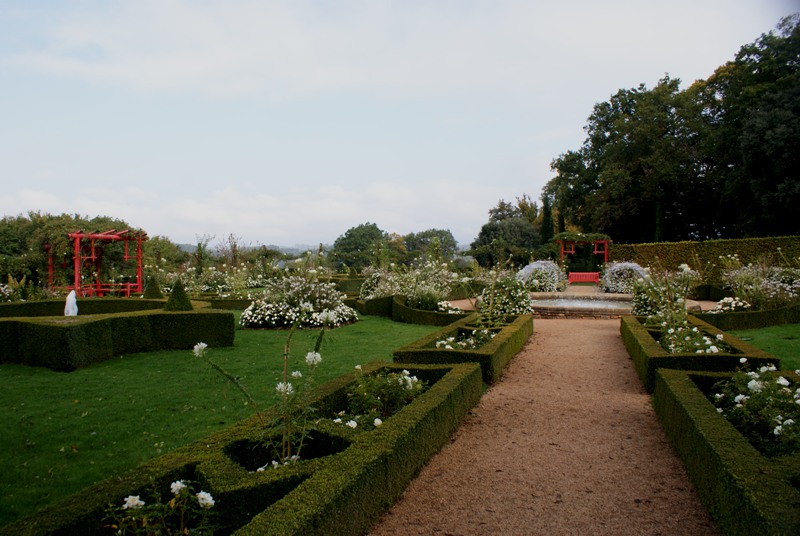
<point x="289" y="122"/>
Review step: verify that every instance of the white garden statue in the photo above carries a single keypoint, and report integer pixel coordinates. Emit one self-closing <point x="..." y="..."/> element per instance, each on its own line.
<point x="71" y="308"/>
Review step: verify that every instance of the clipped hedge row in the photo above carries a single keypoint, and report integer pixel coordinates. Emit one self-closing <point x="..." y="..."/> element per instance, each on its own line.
<point x="648" y="356"/>
<point x="86" y="306"/>
<point x="68" y="343"/>
<point x="752" y="319"/>
<point x="339" y="494"/>
<point x="671" y="254"/>
<point x="744" y="492"/>
<point x="375" y="307"/>
<point x="403" y="313"/>
<point x="492" y="357"/>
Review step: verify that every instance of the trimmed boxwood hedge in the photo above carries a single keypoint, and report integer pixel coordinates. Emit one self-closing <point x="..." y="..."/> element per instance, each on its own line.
<point x="340" y="494"/>
<point x="648" y="355"/>
<point x="375" y="307"/>
<point x="752" y="319"/>
<point x="86" y="306"/>
<point x="68" y="343"/>
<point x="492" y="357"/>
<point x="745" y="492"/>
<point x="403" y="313"/>
<point x="671" y="254"/>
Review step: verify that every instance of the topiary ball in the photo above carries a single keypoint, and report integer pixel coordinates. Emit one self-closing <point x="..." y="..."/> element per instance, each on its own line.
<point x="178" y="299"/>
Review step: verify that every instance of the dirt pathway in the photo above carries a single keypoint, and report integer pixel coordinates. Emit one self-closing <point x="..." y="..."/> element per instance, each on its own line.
<point x="566" y="443"/>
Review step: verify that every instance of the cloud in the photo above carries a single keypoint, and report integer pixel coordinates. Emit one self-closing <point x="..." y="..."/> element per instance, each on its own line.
<point x="284" y="48"/>
<point x="288" y="217"/>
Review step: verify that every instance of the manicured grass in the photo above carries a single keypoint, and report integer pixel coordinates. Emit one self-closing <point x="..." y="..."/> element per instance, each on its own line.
<point x="781" y="341"/>
<point x="60" y="432"/>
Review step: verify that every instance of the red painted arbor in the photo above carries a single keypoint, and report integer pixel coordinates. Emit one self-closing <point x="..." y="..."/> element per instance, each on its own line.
<point x="88" y="254"/>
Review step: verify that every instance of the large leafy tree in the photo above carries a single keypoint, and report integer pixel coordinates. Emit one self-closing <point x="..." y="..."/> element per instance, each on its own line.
<point x="720" y="159"/>
<point x="508" y="235"/>
<point x="357" y="247"/>
<point x="431" y="243"/>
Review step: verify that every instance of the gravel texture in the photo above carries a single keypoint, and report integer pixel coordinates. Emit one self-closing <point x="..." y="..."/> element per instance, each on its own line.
<point x="566" y="443"/>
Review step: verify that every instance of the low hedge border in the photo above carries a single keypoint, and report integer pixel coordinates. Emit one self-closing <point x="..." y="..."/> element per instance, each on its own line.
<point x="492" y="357"/>
<point x="343" y="493"/>
<point x="745" y="492"/>
<point x="648" y="355"/>
<point x="65" y="344"/>
<point x="752" y="319"/>
<point x="375" y="307"/>
<point x="86" y="306"/>
<point x="403" y="313"/>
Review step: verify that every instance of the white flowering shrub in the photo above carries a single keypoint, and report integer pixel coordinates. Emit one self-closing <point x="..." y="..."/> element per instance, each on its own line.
<point x="468" y="341"/>
<point x="375" y="397"/>
<point x="762" y="285"/>
<point x="621" y="277"/>
<point x="186" y="512"/>
<point x="424" y="286"/>
<point x="506" y="296"/>
<point x="543" y="276"/>
<point x="730" y="305"/>
<point x="764" y="405"/>
<point x="661" y="297"/>
<point x="681" y="338"/>
<point x="298" y="300"/>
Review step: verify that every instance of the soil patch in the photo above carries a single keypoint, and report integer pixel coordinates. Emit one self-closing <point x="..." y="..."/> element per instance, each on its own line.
<point x="566" y="443"/>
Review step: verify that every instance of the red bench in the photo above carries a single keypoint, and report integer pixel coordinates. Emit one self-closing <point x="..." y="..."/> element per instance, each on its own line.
<point x="584" y="277"/>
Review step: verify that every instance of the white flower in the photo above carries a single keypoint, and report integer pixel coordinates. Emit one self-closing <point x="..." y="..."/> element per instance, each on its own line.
<point x="313" y="359"/>
<point x="351" y="424"/>
<point x="205" y="500"/>
<point x="199" y="349"/>
<point x="782" y="381"/>
<point x="755" y="386"/>
<point x="743" y="360"/>
<point x="778" y="429"/>
<point x="327" y="317"/>
<point x="338" y="420"/>
<point x="358" y="367"/>
<point x="297" y="374"/>
<point x="132" y="502"/>
<point x="177" y="486"/>
<point x="740" y="398"/>
<point x="720" y="337"/>
<point x="284" y="388"/>
<point x="377" y="422"/>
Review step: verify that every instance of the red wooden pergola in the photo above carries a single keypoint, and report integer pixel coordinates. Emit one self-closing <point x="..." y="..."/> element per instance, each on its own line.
<point x="599" y="247"/>
<point x="86" y="254"/>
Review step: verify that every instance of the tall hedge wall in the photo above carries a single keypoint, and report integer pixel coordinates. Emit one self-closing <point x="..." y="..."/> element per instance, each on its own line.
<point x="704" y="256"/>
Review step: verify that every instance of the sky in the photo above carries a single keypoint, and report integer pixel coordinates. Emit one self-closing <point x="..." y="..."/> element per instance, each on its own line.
<point x="290" y="122"/>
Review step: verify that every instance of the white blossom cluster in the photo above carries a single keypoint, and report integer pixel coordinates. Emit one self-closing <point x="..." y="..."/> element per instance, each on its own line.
<point x="683" y="339"/>
<point x="543" y="276"/>
<point x="507" y="296"/>
<point x="621" y="277"/>
<point x="730" y="305"/>
<point x="430" y="278"/>
<point x="473" y="341"/>
<point x="292" y="300"/>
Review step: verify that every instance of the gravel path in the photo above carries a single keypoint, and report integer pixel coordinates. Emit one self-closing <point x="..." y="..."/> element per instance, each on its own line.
<point x="566" y="443"/>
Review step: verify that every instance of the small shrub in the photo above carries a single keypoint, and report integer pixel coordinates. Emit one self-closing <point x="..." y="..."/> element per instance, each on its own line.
<point x="178" y="299"/>
<point x="152" y="291"/>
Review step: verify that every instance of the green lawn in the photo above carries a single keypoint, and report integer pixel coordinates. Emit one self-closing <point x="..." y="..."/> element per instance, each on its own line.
<point x="780" y="341"/>
<point x="60" y="432"/>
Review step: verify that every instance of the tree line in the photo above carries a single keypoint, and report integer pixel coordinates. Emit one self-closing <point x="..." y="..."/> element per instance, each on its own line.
<point x="720" y="159"/>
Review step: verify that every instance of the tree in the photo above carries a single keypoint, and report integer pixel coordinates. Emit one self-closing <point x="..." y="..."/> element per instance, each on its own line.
<point x="357" y="246"/>
<point x="547" y="230"/>
<point x="419" y="244"/>
<point x="507" y="235"/>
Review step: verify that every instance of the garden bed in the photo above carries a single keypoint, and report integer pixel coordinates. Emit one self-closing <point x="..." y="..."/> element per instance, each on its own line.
<point x="752" y="319"/>
<point x="342" y="492"/>
<point x="403" y="313"/>
<point x="67" y="343"/>
<point x="492" y="356"/>
<point x="648" y="355"/>
<point x="745" y="492"/>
